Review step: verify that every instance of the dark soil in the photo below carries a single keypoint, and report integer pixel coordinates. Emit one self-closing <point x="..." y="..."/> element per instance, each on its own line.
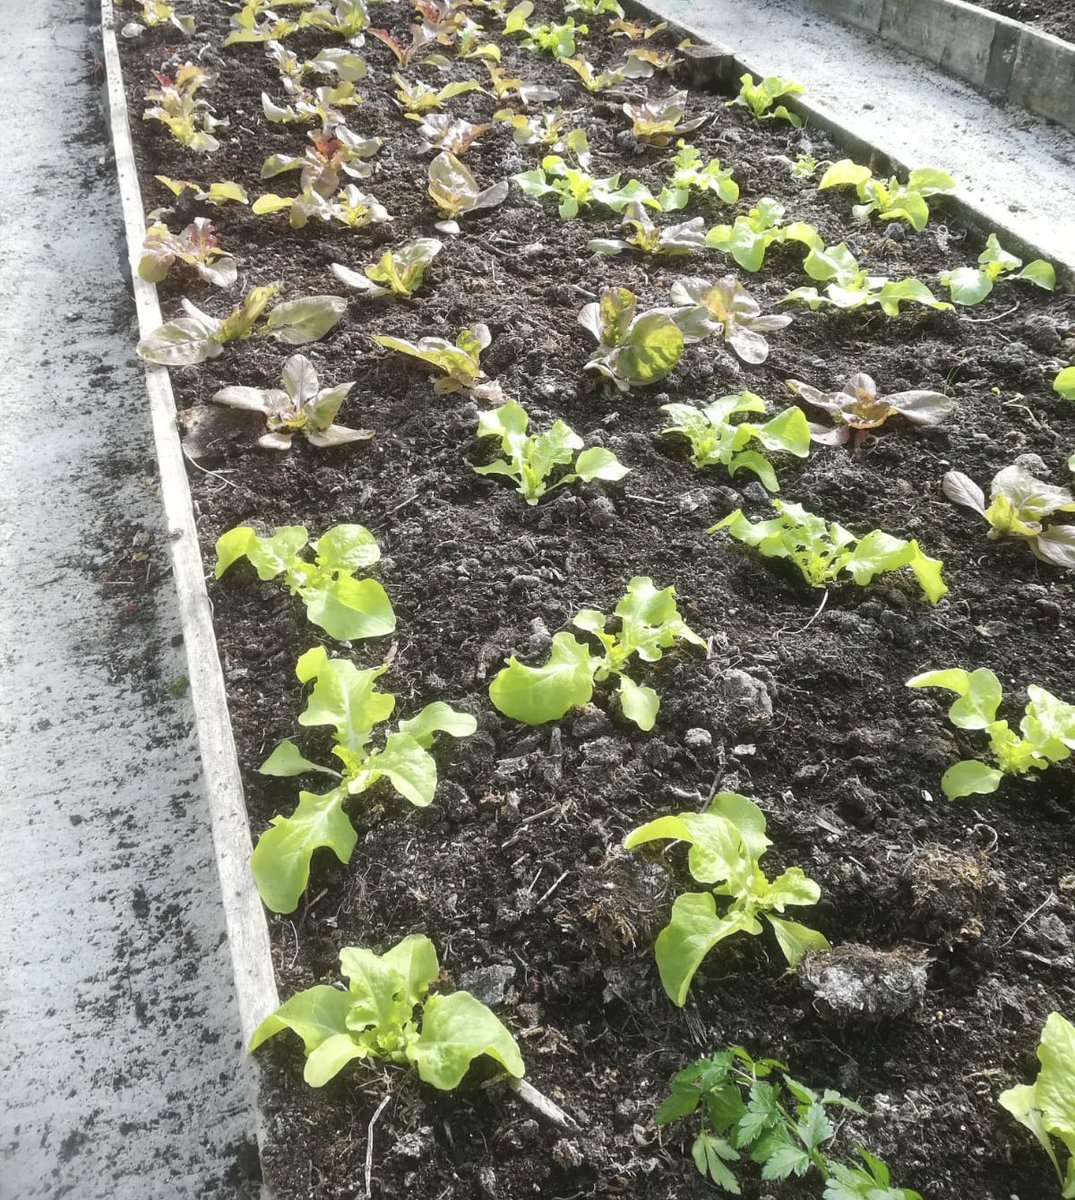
<point x="1054" y="16"/>
<point x="517" y="863"/>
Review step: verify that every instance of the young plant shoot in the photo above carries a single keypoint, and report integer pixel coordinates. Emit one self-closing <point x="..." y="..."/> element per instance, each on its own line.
<point x="299" y="406"/>
<point x="1047" y="728"/>
<point x="178" y="107"/>
<point x="576" y="189"/>
<point x="850" y="286"/>
<point x="760" y="98"/>
<point x="216" y="194"/>
<point x="443" y="132"/>
<point x="649" y="624"/>
<point x="530" y="460"/>
<point x="971" y="285"/>
<point x="1019" y="503"/>
<point x="890" y="200"/>
<point x="346" y="608"/>
<point x="857" y="408"/>
<point x="375" y="1019"/>
<point x="399" y="272"/>
<point x="724" y="309"/>
<point x="824" y="551"/>
<point x="458" y="364"/>
<point x="349" y="207"/>
<point x="634" y="349"/>
<point x="195" y="247"/>
<point x="727" y="842"/>
<point x="717" y="440"/>
<point x="416" y="99"/>
<point x="690" y="175"/>
<point x="657" y="122"/>
<point x="326" y="159"/>
<point x="750" y="236"/>
<point x="1064" y="383"/>
<point x="346" y="700"/>
<point x="454" y="190"/>
<point x="649" y="238"/>
<point x="155" y="13"/>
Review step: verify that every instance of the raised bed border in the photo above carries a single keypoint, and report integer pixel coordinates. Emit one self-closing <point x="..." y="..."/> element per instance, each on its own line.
<point x="712" y="67"/>
<point x="996" y="54"/>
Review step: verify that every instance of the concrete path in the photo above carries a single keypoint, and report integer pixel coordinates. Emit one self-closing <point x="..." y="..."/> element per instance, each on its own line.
<point x="1018" y="169"/>
<point x="121" y="1074"/>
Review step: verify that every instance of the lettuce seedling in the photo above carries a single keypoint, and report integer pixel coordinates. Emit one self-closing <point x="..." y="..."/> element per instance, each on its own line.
<point x="824" y="551"/>
<point x="594" y="8"/>
<point x="346" y="608"/>
<point x="1018" y="504"/>
<point x="531" y="460"/>
<point x="849" y="286"/>
<point x="592" y="80"/>
<point x="375" y="1019"/>
<point x="181" y="111"/>
<point x="198" y="336"/>
<point x="690" y="175"/>
<point x="254" y="23"/>
<point x="748" y="239"/>
<point x="971" y="285"/>
<point x="346" y="18"/>
<point x="547" y="129"/>
<point x="216" y="194"/>
<point x="344" y="64"/>
<point x="727" y="310"/>
<point x="418" y="98"/>
<point x="726" y="842"/>
<point x="300" y="406"/>
<point x="857" y="408"/>
<point x="454" y="190"/>
<point x="156" y="13"/>
<point x="557" y="40"/>
<point x="685" y="238"/>
<point x="760" y="98"/>
<point x="1064" y="383"/>
<point x="657" y="122"/>
<point x="634" y="349"/>
<point x="891" y="200"/>
<point x="408" y="53"/>
<point x="717" y="440"/>
<point x="399" y="273"/>
<point x="649" y="624"/>
<point x="195" y="247"/>
<point x="1047" y="1106"/>
<point x="804" y="167"/>
<point x="504" y="85"/>
<point x="782" y="1126"/>
<point x="345" y="699"/>
<point x="459" y="363"/>
<point x="442" y="131"/>
<point x="1047" y="728"/>
<point x="635" y="31"/>
<point x="328" y="155"/>
<point x="577" y="189"/>
<point x="349" y="207"/>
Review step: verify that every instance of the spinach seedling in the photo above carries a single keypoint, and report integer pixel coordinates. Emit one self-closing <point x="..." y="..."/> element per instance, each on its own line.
<point x="576" y="189"/>
<point x="458" y="364"/>
<point x="329" y="155"/>
<point x="1047" y="728"/>
<point x="454" y="190"/>
<point x="890" y="200"/>
<point x="1018" y="505"/>
<point x="760" y="98"/>
<point x="216" y="194"/>
<point x="649" y="624"/>
<point x="634" y="349"/>
<point x="155" y="13"/>
<point x="349" y="207"/>
<point x="531" y="459"/>
<point x="299" y="406"/>
<point x="717" y="440"/>
<point x="750" y="236"/>
<point x="657" y="122"/>
<point x="824" y="551"/>
<point x="858" y="408"/>
<point x="1047" y="1106"/>
<point x="399" y="272"/>
<point x="346" y="608"/>
<point x="724" y="309"/>
<point x="784" y="1126"/>
<point x="727" y="842"/>
<point x="689" y="175"/>
<point x="376" y="1019"/>
<point x="196" y="247"/>
<point x="850" y="286"/>
<point x="346" y="700"/>
<point x="971" y="285"/>
<point x="198" y="336"/>
<point x="179" y="108"/>
<point x="685" y="238"/>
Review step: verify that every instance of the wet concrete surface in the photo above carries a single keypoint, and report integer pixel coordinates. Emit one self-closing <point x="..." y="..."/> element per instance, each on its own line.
<point x="121" y="1071"/>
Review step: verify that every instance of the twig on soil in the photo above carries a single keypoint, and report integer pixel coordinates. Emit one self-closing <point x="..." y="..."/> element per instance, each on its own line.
<point x="369" y="1145"/>
<point x="999" y="317"/>
<point x="553" y="888"/>
<point x="216" y="475"/>
<point x="403" y="504"/>
<point x="543" y="1106"/>
<point x="1026" y="920"/>
<point x="820" y="609"/>
<point x="647" y="499"/>
<point x="527" y="820"/>
<point x="993" y="844"/>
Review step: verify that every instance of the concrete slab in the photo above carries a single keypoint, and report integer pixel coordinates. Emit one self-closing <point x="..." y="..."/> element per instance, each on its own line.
<point x="120" y="1059"/>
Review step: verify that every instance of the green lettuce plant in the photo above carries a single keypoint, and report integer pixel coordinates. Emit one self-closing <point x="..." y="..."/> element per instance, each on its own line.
<point x="727" y="842"/>
<point x="592" y="79"/>
<point x="576" y="189"/>
<point x="198" y="336"/>
<point x="724" y="309"/>
<point x="301" y="405"/>
<point x="339" y="62"/>
<point x="1047" y="1106"/>
<point x="858" y="407"/>
<point x="557" y="40"/>
<point x="346" y="19"/>
<point x="850" y="286"/>
<point x="750" y="236"/>
<point x="329" y="156"/>
<point x="635" y="31"/>
<point x="458" y="364"/>
<point x="971" y="285"/>
<point x="398" y="273"/>
<point x="547" y="129"/>
<point x="1064" y="383"/>
<point x="155" y="13"/>
<point x="646" y="236"/>
<point x="890" y="199"/>
<point x="178" y="107"/>
<point x="658" y="121"/>
<point x="503" y="85"/>
<point x="825" y="551"/>
<point x="742" y="1110"/>
<point x="454" y="190"/>
<point x="321" y="106"/>
<point x="346" y="608"/>
<point x="633" y="349"/>
<point x="376" y="1019"/>
<point x="442" y="131"/>
<point x="530" y="459"/>
<point x="1018" y="505"/>
<point x="216" y="194"/>
<point x="256" y="24"/>
<point x="347" y="701"/>
<point x="349" y="207"/>
<point x="690" y="175"/>
<point x="419" y="98"/>
<point x="649" y="624"/>
<point x="1047" y="728"/>
<point x="196" y="247"/>
<point x="594" y="8"/>
<point x="760" y="98"/>
<point x="717" y="440"/>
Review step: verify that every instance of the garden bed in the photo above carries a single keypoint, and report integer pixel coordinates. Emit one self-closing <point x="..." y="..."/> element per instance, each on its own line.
<point x="1053" y="16"/>
<point x="517" y="865"/>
